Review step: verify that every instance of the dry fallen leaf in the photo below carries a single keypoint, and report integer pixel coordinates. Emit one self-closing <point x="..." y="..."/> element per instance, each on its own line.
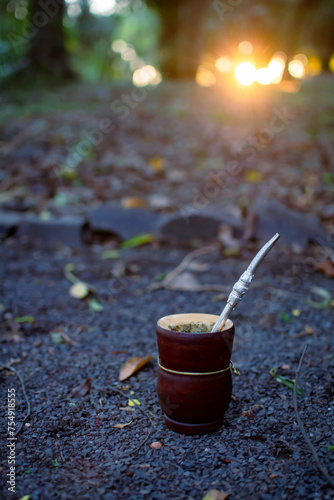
<point x="133" y="402"/>
<point x="156" y="445"/>
<point x="133" y="202"/>
<point x="327" y="267"/>
<point x="121" y="426"/>
<point x="254" y="176"/>
<point x="83" y="389"/>
<point x="308" y="330"/>
<point x="184" y="282"/>
<point x="79" y="290"/>
<point x="132" y="365"/>
<point x="296" y="312"/>
<point x="157" y="164"/>
<point x="216" y="495"/>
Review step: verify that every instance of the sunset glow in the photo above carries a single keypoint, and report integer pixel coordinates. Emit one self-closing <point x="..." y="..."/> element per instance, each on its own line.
<point x="245" y="73"/>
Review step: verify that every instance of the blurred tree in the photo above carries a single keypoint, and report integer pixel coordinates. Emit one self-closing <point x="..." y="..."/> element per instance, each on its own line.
<point x="46" y="51"/>
<point x="180" y="39"/>
<point x="311" y="28"/>
<point x="317" y="29"/>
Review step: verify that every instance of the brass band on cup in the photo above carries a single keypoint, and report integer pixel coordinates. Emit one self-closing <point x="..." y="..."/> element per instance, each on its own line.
<point x="230" y="366"/>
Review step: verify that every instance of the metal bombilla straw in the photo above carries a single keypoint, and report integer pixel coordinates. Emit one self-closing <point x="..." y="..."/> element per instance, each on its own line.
<point x="241" y="286"/>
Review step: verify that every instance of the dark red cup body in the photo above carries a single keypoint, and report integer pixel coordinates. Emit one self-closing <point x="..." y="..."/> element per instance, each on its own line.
<point x="195" y="399"/>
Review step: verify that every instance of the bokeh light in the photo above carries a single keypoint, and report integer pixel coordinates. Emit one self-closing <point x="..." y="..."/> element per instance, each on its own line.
<point x="128" y="53"/>
<point x="302" y="58"/>
<point x="147" y="75"/>
<point x="73" y="9"/>
<point x="276" y="68"/>
<point x="223" y="64"/>
<point x="331" y="63"/>
<point x="245" y="73"/>
<point x="205" y="77"/>
<point x="102" y="7"/>
<point x="264" y="76"/>
<point x="118" y="45"/>
<point x="245" y="47"/>
<point x="280" y="55"/>
<point x="21" y="12"/>
<point x="314" y="66"/>
<point x="296" y="69"/>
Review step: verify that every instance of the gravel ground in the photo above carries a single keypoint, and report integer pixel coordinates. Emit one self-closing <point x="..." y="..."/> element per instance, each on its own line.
<point x="68" y="446"/>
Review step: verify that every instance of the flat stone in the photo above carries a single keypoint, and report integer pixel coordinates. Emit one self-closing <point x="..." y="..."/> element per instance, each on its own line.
<point x="67" y="230"/>
<point x="9" y="222"/>
<point x="203" y="225"/>
<point x="180" y="228"/>
<point x="122" y="222"/>
<point x="294" y="227"/>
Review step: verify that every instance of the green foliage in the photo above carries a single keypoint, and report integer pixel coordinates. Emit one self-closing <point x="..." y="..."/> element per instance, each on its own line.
<point x="95" y="305"/>
<point x="328" y="178"/>
<point x="136" y="241"/>
<point x="24" y="319"/>
<point x="285" y="317"/>
<point x="110" y="254"/>
<point x="326" y="296"/>
<point x="285" y="381"/>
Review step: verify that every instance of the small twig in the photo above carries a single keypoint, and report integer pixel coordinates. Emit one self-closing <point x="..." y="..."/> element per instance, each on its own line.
<point x="146" y="415"/>
<point x="201" y="288"/>
<point x="167" y="281"/>
<point x="321" y="467"/>
<point x="70" y="276"/>
<point x="186" y="261"/>
<point x="10" y="368"/>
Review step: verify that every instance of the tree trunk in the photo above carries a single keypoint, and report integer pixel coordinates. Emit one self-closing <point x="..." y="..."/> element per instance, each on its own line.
<point x="46" y="52"/>
<point x="180" y="36"/>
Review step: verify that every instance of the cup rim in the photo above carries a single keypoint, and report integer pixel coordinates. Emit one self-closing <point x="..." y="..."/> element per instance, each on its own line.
<point x="175" y="319"/>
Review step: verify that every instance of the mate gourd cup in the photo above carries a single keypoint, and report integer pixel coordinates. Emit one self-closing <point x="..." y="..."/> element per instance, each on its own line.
<point x="194" y="381"/>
